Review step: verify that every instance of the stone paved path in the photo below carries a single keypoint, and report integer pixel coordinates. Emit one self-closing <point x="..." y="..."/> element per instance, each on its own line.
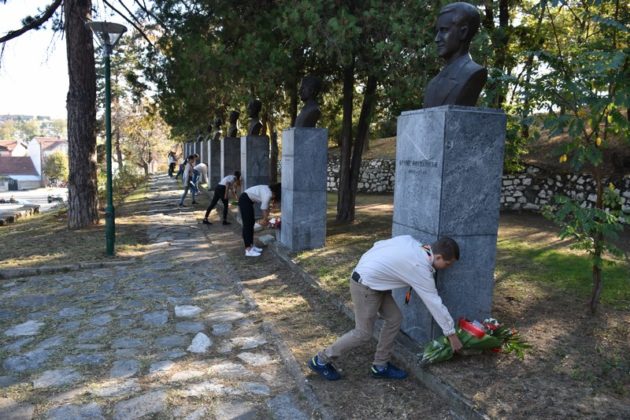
<point x="168" y="336"/>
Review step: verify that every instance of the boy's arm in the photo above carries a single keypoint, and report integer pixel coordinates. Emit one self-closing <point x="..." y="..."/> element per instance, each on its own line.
<point x="425" y="288"/>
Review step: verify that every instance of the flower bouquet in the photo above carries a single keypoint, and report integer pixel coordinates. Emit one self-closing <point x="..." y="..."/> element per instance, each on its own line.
<point x="275" y="223"/>
<point x="476" y="337"/>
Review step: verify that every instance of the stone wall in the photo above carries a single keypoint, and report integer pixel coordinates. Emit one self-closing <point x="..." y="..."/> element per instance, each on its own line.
<point x="376" y="175"/>
<point x="529" y="190"/>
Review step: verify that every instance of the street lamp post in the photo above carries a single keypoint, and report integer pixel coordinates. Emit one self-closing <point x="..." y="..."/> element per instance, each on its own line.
<point x="108" y="34"/>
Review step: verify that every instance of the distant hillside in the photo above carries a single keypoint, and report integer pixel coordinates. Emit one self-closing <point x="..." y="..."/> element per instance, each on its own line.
<point x="384" y="148"/>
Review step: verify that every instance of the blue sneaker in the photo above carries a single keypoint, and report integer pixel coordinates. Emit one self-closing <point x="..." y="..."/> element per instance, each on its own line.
<point x="327" y="370"/>
<point x="388" y="372"/>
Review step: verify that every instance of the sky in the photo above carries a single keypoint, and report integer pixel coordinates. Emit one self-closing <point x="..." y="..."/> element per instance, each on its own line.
<point x="33" y="70"/>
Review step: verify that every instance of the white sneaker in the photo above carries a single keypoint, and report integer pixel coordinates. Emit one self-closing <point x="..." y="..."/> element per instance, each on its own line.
<point x="255" y="248"/>
<point x="251" y="253"/>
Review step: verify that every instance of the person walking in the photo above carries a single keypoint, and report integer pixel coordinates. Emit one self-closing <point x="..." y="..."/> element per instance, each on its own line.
<point x="265" y="195"/>
<point x="172" y="161"/>
<point x="227" y="184"/>
<point x="397" y="262"/>
<point x="188" y="178"/>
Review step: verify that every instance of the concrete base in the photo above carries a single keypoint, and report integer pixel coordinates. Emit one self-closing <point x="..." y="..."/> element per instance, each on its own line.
<point x="203" y="153"/>
<point x="254" y="161"/>
<point x="214" y="163"/>
<point x="254" y="164"/>
<point x="304" y="165"/>
<point x="230" y="155"/>
<point x="449" y="162"/>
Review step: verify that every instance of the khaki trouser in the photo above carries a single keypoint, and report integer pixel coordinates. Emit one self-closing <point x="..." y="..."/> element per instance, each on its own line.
<point x="368" y="305"/>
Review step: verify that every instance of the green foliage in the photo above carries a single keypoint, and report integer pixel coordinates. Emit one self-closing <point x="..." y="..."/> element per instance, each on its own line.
<point x="526" y="263"/>
<point x="56" y="167"/>
<point x="19" y="128"/>
<point x="586" y="225"/>
<point x="125" y="182"/>
<point x="515" y="145"/>
<point x="584" y="85"/>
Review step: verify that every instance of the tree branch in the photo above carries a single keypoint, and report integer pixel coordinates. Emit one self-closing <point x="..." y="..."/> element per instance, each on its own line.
<point x="33" y="24"/>
<point x="129" y="21"/>
<point x="144" y="8"/>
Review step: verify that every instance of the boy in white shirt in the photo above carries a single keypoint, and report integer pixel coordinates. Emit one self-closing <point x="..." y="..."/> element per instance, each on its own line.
<point x="390" y="264"/>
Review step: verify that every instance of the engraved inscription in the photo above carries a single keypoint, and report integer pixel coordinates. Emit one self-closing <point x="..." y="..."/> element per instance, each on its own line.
<point x="419" y="163"/>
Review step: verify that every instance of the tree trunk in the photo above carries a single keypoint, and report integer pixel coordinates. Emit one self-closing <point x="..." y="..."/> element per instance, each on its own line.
<point x="344" y="211"/>
<point x="488" y="19"/>
<point x="81" y="105"/>
<point x="119" y="156"/>
<point x="293" y="100"/>
<point x="598" y="250"/>
<point x="273" y="153"/>
<point x="116" y="133"/>
<point x="363" y="129"/>
<point x="502" y="38"/>
<point x="264" y="122"/>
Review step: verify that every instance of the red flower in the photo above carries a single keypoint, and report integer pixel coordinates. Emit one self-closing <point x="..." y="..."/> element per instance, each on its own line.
<point x="471" y="329"/>
<point x="490" y="326"/>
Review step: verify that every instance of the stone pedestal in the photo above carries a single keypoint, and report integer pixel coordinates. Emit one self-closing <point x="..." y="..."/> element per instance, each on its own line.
<point x="254" y="161"/>
<point x="203" y="152"/>
<point x="214" y="163"/>
<point x="254" y="164"/>
<point x="304" y="164"/>
<point x="449" y="162"/>
<point x="230" y="155"/>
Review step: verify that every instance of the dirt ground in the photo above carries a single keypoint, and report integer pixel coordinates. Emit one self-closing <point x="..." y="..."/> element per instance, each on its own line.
<point x="579" y="366"/>
<point x="307" y="321"/>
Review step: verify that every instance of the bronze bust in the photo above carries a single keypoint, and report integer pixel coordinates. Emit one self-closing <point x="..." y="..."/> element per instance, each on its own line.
<point x="233" y="128"/>
<point x="310" y="113"/>
<point x="461" y="80"/>
<point x="253" y="110"/>
<point x="218" y="122"/>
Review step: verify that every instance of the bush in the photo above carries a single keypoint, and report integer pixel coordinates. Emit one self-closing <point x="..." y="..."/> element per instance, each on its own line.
<point x="56" y="167"/>
<point x="125" y="181"/>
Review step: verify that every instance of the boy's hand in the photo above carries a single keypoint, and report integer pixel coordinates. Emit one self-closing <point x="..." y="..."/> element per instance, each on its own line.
<point x="455" y="343"/>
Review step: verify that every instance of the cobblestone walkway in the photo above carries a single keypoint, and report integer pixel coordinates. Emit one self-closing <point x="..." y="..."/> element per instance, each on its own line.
<point x="168" y="336"/>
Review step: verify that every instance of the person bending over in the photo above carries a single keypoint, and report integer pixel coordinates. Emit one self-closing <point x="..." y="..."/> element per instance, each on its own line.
<point x="397" y="262"/>
<point x="227" y="184"/>
<point x="265" y="195"/>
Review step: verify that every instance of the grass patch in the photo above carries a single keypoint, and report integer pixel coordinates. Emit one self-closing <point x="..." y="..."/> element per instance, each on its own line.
<point x="45" y="240"/>
<point x="345" y="243"/>
<point x="534" y="263"/>
<point x="562" y="270"/>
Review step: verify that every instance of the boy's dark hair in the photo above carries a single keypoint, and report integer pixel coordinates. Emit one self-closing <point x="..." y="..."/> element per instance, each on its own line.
<point x="276" y="190"/>
<point x="446" y="247"/>
<point x="237" y="174"/>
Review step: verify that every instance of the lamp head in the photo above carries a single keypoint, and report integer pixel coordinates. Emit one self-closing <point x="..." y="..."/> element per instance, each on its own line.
<point x="107" y="33"/>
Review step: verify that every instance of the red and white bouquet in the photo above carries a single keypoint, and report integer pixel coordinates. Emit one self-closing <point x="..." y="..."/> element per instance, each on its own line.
<point x="275" y="222"/>
<point x="477" y="337"/>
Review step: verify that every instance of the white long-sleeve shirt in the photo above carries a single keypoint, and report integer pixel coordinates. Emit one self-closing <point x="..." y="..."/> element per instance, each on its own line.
<point x="202" y="168"/>
<point x="260" y="194"/>
<point x="228" y="180"/>
<point x="400" y="262"/>
<point x="188" y="168"/>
